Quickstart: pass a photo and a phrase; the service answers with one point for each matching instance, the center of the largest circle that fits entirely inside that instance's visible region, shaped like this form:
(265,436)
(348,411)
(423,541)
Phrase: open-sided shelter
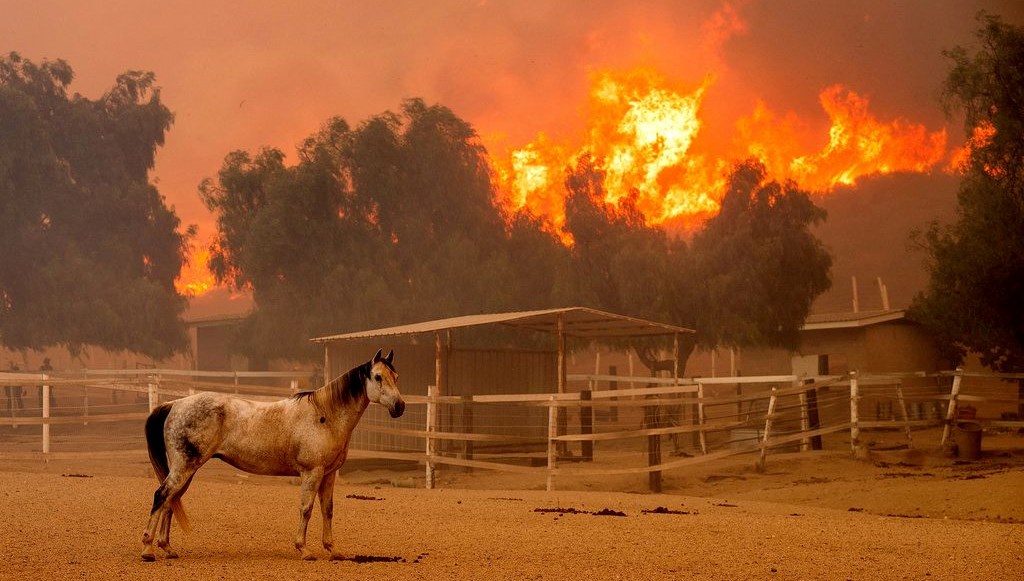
(430,354)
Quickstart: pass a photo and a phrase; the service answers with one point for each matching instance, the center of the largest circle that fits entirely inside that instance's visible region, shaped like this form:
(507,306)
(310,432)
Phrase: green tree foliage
(976,265)
(756,266)
(391,222)
(90,250)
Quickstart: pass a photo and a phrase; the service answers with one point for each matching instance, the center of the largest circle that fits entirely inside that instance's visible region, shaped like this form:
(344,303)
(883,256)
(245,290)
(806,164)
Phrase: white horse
(306,435)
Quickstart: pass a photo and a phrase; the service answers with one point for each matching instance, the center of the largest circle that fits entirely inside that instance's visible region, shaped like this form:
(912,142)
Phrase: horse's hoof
(337,557)
(171,554)
(148,556)
(309,557)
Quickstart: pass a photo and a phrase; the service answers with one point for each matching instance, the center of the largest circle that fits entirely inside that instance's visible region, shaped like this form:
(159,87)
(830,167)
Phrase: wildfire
(643,133)
(980,137)
(195,278)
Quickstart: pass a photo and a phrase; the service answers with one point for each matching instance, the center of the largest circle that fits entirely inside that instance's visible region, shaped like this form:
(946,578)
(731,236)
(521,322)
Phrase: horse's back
(257,437)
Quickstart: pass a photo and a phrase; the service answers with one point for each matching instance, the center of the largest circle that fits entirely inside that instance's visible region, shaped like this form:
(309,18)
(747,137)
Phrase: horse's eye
(377,378)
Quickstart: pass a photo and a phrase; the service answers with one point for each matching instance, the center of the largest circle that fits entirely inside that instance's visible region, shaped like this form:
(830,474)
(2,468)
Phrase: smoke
(240,75)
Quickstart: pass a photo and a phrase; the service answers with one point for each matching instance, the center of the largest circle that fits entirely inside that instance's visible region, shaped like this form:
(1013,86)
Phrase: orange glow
(858,144)
(195,278)
(980,137)
(643,133)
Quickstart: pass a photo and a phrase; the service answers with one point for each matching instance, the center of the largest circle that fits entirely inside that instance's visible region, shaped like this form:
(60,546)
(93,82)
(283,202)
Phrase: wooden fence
(614,432)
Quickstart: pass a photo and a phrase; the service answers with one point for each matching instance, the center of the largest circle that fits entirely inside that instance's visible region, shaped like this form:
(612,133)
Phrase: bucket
(968,440)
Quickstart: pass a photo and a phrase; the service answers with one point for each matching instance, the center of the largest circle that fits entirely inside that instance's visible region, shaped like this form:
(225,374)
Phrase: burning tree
(399,220)
(973,300)
(381,224)
(90,250)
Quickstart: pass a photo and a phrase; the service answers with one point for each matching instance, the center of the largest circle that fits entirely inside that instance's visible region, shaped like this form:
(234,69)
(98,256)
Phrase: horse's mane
(340,391)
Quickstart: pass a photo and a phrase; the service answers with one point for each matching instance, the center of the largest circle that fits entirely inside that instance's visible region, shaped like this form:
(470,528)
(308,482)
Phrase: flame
(858,144)
(981,136)
(195,278)
(644,134)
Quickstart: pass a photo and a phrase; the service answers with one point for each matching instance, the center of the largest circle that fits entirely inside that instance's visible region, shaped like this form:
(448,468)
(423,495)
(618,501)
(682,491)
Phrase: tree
(976,265)
(389,222)
(756,266)
(621,263)
(91,250)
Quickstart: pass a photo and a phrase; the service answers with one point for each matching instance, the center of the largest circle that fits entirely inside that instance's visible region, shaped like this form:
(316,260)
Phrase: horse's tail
(158,457)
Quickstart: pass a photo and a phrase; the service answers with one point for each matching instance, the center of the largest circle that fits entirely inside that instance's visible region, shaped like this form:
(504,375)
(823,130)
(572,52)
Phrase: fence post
(854,414)
(903,412)
(805,417)
(762,461)
(46,417)
(586,426)
(153,395)
(700,418)
(293,386)
(467,424)
(653,448)
(613,411)
(954,393)
(552,443)
(431,427)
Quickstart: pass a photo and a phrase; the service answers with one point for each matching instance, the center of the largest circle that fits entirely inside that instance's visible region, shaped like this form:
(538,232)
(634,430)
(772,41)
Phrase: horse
(306,435)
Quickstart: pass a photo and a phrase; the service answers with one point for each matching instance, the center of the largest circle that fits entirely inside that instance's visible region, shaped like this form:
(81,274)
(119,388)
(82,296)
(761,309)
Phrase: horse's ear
(376,357)
(390,357)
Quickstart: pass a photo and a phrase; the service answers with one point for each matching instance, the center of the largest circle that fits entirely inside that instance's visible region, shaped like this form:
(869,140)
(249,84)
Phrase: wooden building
(495,353)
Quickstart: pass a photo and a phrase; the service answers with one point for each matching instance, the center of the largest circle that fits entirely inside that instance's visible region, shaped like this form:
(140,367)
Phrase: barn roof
(849,320)
(577,322)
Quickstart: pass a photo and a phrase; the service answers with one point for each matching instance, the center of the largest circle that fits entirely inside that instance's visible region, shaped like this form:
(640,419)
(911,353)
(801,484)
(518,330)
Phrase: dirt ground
(899,514)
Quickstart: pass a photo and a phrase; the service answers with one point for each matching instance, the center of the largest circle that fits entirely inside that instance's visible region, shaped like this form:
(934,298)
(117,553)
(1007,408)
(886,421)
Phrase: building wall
(468,372)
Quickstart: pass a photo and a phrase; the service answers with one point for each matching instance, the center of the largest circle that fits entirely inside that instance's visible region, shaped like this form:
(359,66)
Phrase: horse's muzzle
(398,409)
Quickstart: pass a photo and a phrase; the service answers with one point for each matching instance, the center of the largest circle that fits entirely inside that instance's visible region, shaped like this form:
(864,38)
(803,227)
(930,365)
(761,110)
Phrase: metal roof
(577,322)
(849,320)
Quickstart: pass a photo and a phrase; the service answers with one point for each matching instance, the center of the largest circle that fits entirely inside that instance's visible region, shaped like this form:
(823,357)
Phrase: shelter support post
(563,417)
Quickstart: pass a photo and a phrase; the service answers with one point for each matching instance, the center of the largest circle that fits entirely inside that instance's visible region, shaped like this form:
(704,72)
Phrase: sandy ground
(903,514)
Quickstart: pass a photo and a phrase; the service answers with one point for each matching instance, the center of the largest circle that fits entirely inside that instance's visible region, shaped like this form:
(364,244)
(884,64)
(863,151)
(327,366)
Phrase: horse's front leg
(326,494)
(311,480)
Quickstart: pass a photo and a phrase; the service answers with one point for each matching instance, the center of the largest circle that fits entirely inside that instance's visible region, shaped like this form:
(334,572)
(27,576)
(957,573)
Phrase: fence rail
(618,431)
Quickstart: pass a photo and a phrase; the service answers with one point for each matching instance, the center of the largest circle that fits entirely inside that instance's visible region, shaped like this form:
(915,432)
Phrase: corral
(904,509)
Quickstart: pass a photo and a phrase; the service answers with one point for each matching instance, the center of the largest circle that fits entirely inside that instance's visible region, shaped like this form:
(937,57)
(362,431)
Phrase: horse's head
(382,385)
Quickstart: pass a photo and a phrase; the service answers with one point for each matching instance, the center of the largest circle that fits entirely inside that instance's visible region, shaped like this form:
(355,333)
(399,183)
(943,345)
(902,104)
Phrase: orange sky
(240,75)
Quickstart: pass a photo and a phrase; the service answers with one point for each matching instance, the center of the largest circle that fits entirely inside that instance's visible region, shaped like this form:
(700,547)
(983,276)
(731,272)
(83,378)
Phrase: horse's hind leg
(163,538)
(160,515)
(326,494)
(310,486)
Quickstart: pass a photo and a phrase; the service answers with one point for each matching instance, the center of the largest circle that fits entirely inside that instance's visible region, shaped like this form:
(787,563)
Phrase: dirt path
(808,517)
